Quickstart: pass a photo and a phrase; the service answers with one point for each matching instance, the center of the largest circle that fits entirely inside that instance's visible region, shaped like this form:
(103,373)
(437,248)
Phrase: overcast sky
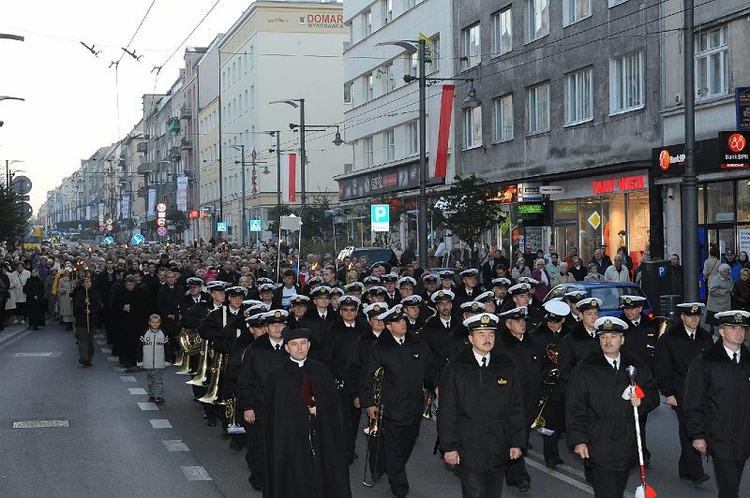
(71,96)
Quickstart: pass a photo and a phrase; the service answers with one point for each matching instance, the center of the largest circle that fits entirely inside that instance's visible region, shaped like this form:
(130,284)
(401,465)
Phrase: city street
(69,431)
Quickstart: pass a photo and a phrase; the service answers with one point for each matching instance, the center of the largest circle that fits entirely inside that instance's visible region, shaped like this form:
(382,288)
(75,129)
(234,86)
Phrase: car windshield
(610,295)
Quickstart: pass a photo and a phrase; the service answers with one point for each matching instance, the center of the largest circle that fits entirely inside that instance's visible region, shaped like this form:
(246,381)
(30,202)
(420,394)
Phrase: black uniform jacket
(598,416)
(717,402)
(358,355)
(457,341)
(341,339)
(674,352)
(641,340)
(191,313)
(259,361)
(306,454)
(221,333)
(435,335)
(548,343)
(575,346)
(167,303)
(481,410)
(408,368)
(526,353)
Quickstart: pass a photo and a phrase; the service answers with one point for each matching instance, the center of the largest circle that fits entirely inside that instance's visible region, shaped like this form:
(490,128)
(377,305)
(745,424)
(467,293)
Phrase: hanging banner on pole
(182,185)
(151,201)
(289,178)
(439,117)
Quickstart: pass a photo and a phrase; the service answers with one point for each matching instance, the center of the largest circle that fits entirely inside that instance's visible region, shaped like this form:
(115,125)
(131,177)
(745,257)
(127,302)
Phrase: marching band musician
(377,294)
(487,298)
(523,349)
(469,287)
(406,287)
(341,337)
(408,368)
(717,401)
(572,299)
(548,335)
(446,280)
(263,356)
(599,417)
(357,357)
(298,305)
(481,427)
(413,309)
(392,295)
(458,338)
(582,338)
(500,290)
(192,308)
(642,335)
(222,327)
(675,349)
(437,329)
(430,285)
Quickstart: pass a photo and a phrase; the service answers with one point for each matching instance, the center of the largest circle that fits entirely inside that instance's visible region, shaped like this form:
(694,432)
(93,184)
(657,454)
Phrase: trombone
(549,383)
(373,429)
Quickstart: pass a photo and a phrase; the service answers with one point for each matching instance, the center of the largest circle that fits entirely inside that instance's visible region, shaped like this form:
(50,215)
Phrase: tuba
(213,396)
(201,376)
(549,383)
(373,428)
(231,412)
(190,343)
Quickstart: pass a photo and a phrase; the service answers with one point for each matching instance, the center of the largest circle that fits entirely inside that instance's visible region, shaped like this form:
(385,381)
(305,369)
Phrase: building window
(369,90)
(390,144)
(579,97)
(502,118)
(412,64)
(537,19)
(387,8)
(537,108)
(369,152)
(502,32)
(612,3)
(575,10)
(433,53)
(711,68)
(385,74)
(472,127)
(626,84)
(348,93)
(367,22)
(413,128)
(472,53)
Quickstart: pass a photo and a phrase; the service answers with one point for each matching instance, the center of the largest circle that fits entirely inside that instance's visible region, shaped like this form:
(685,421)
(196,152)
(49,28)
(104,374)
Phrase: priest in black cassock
(305,447)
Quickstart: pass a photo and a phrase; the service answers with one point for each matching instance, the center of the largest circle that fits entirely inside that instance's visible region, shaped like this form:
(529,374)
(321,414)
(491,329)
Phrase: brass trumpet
(550,381)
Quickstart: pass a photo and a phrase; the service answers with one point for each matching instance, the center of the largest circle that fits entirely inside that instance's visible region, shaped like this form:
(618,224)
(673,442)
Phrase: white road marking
(106,350)
(160,423)
(148,406)
(196,473)
(112,358)
(101,342)
(128,378)
(45,354)
(136,390)
(175,445)
(39,424)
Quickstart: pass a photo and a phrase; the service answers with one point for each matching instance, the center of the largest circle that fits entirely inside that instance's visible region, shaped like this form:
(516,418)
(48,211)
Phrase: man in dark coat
(318,318)
(392,294)
(582,338)
(305,447)
(437,329)
(103,284)
(482,425)
(167,304)
(522,296)
(642,336)
(341,337)
(717,401)
(675,350)
(130,310)
(86,308)
(523,349)
(413,309)
(548,335)
(408,368)
(263,356)
(599,415)
(469,288)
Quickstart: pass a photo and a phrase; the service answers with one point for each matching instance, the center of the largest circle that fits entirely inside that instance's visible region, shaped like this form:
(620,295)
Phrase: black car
(375,254)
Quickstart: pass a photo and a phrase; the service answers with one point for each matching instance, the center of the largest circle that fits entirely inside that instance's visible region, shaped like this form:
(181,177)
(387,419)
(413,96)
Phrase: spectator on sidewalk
(617,272)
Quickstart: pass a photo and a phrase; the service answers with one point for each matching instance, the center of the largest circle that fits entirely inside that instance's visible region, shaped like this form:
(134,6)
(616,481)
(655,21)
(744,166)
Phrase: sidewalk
(11,332)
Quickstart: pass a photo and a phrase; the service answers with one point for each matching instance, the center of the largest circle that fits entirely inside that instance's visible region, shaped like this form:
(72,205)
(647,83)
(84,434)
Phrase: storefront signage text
(734,151)
(622,184)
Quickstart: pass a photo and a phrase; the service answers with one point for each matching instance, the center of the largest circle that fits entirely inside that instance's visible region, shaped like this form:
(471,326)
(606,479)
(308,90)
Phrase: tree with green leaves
(13,225)
(468,209)
(178,220)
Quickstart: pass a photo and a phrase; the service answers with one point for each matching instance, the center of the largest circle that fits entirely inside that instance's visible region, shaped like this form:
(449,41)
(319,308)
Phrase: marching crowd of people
(287,362)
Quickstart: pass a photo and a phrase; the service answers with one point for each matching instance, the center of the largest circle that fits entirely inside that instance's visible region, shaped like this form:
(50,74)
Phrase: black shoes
(697,480)
(159,401)
(552,464)
(524,486)
(235,445)
(151,399)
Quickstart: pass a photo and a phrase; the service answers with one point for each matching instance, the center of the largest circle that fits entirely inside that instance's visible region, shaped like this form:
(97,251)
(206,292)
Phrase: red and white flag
(289,177)
(439,117)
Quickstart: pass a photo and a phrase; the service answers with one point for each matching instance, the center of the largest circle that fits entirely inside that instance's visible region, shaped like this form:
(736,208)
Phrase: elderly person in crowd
(520,270)
(719,294)
(617,272)
(563,275)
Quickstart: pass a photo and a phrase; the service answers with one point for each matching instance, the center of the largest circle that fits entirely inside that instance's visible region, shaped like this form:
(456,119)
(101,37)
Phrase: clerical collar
(300,363)
(479,357)
(350,324)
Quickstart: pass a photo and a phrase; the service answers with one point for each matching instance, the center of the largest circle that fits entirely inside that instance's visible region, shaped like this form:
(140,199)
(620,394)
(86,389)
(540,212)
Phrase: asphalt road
(69,431)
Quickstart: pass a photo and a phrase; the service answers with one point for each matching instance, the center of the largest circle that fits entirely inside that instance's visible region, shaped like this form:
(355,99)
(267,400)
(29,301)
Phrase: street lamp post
(299,103)
(243,220)
(277,135)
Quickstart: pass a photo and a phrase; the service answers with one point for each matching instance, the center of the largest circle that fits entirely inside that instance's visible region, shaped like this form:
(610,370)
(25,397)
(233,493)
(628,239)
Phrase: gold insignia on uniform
(415,356)
(628,300)
(484,320)
(594,303)
(277,314)
(522,312)
(525,286)
(607,325)
(441,294)
(502,382)
(694,308)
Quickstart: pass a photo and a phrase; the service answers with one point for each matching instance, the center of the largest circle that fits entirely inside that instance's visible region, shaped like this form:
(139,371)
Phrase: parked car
(608,292)
(373,255)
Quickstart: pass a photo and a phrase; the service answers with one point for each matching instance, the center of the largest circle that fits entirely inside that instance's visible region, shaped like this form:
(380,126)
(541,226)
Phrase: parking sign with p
(380,217)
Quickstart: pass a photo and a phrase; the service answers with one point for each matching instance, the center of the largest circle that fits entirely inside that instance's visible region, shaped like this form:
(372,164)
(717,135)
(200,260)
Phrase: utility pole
(689,180)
